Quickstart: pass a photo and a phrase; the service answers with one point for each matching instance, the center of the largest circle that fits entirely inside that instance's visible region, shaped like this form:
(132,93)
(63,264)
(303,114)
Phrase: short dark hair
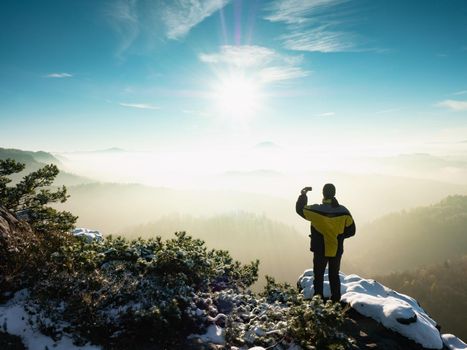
(329,191)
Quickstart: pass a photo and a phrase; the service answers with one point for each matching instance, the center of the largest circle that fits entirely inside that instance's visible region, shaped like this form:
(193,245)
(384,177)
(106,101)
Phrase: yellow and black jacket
(330,225)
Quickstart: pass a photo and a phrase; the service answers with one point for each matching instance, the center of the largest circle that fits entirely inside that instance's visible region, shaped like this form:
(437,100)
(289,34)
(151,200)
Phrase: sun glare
(238,97)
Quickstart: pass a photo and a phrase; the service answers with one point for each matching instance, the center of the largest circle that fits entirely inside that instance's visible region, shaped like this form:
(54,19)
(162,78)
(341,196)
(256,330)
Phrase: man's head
(329,191)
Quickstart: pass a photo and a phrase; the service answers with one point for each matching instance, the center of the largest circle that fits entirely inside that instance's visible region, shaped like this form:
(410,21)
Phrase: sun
(237,96)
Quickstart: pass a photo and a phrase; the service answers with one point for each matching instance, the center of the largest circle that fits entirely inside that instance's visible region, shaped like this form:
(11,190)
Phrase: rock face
(16,238)
(8,223)
(10,342)
(370,334)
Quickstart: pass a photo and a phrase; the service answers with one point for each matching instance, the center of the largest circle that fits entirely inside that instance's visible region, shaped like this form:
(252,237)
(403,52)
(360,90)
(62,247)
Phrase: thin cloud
(123,18)
(389,110)
(267,64)
(58,75)
(326,114)
(270,74)
(139,105)
(299,11)
(315,26)
(462,92)
(319,40)
(181,16)
(196,112)
(143,22)
(240,56)
(454,105)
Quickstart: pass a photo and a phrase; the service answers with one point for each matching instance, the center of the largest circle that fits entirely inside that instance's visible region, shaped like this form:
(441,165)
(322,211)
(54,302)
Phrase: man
(331,223)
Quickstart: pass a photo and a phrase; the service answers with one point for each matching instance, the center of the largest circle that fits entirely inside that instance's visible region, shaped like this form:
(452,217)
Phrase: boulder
(392,318)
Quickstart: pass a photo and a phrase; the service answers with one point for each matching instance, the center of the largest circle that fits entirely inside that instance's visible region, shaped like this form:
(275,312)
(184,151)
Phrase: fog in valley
(262,179)
(244,200)
(409,208)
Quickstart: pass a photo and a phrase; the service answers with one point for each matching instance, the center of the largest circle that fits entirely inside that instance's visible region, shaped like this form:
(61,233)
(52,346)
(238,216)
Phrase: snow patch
(214,334)
(87,234)
(395,311)
(15,320)
(453,343)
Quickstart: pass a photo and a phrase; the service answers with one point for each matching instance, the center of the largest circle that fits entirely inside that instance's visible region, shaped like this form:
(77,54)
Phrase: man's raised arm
(301,202)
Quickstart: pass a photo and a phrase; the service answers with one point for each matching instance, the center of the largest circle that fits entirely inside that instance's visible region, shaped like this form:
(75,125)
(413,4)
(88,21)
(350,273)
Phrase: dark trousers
(319,265)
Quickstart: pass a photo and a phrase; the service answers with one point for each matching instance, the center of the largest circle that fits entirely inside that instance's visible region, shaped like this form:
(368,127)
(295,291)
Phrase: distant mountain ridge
(36,160)
(98,151)
(28,157)
(368,195)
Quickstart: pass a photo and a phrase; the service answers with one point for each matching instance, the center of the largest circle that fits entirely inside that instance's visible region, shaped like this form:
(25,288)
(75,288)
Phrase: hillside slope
(410,239)
(441,289)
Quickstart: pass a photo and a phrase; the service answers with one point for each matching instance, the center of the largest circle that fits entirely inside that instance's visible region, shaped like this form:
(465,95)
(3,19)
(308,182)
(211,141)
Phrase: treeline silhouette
(440,289)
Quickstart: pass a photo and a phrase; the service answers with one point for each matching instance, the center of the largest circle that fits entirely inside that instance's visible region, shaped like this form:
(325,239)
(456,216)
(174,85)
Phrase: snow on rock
(87,234)
(16,321)
(393,310)
(214,334)
(453,343)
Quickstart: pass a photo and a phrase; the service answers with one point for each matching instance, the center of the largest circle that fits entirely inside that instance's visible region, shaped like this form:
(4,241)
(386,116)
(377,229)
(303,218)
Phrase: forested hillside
(29,158)
(411,239)
(440,289)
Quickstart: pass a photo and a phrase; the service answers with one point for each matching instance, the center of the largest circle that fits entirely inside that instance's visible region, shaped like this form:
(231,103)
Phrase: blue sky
(217,73)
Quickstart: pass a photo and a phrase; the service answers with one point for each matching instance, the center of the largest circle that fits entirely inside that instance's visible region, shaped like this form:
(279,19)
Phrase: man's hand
(305,190)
